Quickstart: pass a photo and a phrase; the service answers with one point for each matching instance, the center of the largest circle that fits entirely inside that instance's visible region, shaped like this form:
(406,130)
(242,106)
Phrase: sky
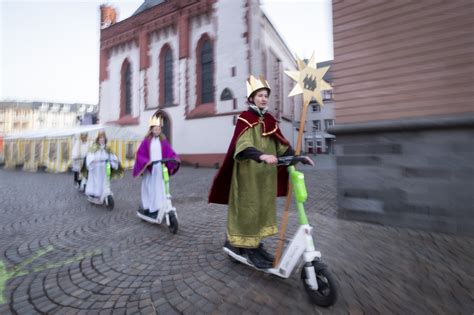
(49,50)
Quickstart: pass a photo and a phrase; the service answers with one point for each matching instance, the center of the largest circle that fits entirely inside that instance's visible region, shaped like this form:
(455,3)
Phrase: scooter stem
(296,184)
(166,178)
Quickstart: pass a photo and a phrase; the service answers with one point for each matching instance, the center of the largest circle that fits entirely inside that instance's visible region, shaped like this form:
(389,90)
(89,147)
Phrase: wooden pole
(284,221)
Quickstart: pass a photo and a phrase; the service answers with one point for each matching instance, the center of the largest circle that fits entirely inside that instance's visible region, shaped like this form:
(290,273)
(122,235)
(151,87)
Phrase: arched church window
(166,76)
(126,89)
(207,73)
(226,95)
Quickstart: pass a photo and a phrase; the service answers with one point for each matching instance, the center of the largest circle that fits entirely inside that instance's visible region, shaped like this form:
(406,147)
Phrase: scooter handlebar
(100,161)
(290,160)
(166,160)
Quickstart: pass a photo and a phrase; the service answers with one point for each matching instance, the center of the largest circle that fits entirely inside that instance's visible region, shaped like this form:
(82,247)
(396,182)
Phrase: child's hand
(268,158)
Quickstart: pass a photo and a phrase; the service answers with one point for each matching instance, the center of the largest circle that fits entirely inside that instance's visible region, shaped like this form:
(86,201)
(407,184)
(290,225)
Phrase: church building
(191,58)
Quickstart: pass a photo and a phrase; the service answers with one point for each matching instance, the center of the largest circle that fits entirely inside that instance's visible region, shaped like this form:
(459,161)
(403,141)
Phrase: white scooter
(168,212)
(318,282)
(107,198)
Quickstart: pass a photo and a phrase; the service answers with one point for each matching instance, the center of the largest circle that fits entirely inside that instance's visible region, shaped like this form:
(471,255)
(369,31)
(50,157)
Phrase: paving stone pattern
(93,261)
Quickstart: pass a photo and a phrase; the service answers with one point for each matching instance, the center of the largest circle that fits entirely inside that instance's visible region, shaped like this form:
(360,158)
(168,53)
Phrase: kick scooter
(107,198)
(168,212)
(317,280)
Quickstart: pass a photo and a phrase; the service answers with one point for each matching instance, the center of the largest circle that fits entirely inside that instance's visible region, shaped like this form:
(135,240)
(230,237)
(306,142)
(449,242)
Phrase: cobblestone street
(62,255)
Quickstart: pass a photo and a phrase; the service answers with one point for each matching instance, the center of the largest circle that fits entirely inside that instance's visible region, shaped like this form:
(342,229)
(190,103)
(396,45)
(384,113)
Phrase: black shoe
(261,250)
(256,259)
(152,215)
(234,249)
(143,211)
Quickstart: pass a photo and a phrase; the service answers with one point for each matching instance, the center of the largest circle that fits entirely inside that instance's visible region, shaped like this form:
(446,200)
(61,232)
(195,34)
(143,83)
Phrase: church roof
(146,5)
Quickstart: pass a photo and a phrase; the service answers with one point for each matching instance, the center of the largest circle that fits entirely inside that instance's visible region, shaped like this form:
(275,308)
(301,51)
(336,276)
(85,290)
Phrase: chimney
(108,16)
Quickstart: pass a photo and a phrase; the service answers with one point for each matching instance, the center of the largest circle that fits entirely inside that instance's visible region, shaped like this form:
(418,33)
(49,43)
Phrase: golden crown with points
(254,84)
(156,119)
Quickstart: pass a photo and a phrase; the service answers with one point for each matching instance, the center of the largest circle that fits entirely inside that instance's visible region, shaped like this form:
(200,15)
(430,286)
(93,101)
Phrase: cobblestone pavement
(63,255)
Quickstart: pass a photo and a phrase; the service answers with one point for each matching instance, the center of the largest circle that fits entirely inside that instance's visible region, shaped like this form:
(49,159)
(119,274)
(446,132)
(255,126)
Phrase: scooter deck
(95,200)
(243,260)
(147,218)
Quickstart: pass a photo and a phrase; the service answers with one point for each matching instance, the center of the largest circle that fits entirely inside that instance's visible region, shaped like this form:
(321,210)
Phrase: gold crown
(254,84)
(156,120)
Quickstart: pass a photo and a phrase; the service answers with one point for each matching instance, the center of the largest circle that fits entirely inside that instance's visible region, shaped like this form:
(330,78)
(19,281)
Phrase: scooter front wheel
(110,202)
(173,227)
(326,294)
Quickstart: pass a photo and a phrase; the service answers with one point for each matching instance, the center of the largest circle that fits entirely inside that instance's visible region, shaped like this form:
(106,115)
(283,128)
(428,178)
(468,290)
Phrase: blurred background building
(191,59)
(23,116)
(404,105)
(17,117)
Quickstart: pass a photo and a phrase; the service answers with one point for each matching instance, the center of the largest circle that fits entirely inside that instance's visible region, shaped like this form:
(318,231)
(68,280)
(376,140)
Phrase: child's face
(261,98)
(101,140)
(156,130)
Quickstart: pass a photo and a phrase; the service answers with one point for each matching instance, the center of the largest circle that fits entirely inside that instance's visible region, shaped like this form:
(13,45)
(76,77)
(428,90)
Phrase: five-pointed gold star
(309,81)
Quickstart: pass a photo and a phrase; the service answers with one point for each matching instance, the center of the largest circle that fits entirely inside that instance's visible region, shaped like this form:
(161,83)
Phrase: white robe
(96,180)
(153,185)
(79,152)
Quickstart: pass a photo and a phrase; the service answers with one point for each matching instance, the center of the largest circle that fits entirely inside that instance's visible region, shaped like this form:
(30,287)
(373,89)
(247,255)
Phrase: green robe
(252,198)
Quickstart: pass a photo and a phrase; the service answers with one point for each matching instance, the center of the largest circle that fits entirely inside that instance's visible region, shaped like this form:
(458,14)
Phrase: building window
(316,108)
(233,71)
(327,95)
(226,95)
(207,73)
(126,89)
(316,125)
(166,76)
(328,123)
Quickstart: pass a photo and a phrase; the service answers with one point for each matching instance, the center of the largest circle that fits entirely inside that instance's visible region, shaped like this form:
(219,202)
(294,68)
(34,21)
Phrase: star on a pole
(309,81)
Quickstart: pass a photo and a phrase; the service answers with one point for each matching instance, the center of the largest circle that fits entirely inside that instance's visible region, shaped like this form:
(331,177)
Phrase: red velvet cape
(220,189)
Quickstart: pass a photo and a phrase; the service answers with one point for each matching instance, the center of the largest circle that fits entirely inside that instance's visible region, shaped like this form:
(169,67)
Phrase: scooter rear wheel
(173,227)
(110,202)
(326,294)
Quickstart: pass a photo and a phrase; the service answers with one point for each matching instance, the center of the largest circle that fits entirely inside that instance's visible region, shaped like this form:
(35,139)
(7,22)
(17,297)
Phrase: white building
(23,116)
(317,139)
(191,59)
